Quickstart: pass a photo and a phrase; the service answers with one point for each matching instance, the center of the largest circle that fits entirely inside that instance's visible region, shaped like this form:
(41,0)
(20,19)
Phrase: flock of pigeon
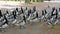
(28,16)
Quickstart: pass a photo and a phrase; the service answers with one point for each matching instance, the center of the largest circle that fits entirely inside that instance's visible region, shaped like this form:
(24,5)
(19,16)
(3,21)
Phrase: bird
(17,9)
(54,20)
(41,17)
(21,23)
(0,13)
(3,23)
(31,14)
(7,12)
(59,9)
(22,10)
(35,20)
(14,14)
(51,14)
(34,8)
(10,18)
(26,8)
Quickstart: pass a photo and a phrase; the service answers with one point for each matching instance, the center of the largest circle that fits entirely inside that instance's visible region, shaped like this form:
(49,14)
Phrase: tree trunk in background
(40,0)
(27,1)
(33,0)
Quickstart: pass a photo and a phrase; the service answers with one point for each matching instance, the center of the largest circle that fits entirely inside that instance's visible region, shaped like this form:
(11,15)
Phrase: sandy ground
(39,28)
